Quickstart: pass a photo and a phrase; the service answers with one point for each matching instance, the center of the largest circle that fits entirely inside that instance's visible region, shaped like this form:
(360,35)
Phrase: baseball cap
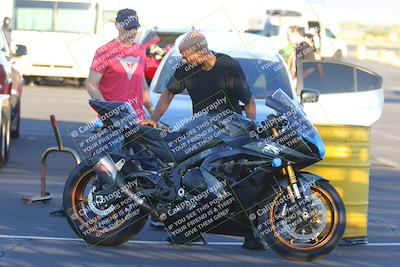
(128,18)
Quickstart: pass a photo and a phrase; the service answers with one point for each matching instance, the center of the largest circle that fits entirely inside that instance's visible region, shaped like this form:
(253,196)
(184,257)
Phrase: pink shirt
(123,69)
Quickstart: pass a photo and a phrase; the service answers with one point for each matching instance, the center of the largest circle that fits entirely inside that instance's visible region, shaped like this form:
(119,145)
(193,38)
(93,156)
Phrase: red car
(157,43)
(11,84)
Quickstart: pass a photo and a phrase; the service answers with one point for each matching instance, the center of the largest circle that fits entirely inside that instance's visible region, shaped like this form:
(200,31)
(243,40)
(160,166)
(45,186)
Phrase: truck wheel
(4,142)
(82,83)
(15,123)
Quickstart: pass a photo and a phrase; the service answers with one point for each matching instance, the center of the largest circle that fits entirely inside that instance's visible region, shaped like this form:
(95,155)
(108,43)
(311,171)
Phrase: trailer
(61,37)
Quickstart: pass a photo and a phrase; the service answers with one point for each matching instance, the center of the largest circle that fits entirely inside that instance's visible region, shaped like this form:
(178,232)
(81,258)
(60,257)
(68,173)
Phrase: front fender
(310,177)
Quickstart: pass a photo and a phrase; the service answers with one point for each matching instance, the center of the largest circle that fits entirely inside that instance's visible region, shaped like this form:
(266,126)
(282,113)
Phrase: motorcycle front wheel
(106,219)
(308,229)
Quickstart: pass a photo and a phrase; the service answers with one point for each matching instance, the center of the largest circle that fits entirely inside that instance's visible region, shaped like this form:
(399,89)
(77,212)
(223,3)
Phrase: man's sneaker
(155,222)
(252,243)
(156,225)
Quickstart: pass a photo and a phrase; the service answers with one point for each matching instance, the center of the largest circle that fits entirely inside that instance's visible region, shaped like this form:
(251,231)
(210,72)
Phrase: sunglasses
(131,29)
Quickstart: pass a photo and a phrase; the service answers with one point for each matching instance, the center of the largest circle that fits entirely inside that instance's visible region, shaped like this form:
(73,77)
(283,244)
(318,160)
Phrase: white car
(349,94)
(346,91)
(265,70)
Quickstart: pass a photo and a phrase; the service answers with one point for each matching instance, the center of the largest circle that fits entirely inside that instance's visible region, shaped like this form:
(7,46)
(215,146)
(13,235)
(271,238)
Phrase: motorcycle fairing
(297,121)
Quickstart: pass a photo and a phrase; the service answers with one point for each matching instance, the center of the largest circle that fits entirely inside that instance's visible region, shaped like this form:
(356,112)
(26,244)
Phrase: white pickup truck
(276,22)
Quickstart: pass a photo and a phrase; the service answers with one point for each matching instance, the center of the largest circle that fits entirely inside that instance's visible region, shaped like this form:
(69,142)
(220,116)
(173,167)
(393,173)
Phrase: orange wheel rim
(77,193)
(320,243)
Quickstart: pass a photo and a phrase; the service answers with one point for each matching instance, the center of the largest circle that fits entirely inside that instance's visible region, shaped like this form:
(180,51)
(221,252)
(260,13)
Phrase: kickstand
(203,239)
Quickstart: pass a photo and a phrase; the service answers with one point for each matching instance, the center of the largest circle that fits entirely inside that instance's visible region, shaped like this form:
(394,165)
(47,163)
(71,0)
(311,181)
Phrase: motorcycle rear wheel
(77,210)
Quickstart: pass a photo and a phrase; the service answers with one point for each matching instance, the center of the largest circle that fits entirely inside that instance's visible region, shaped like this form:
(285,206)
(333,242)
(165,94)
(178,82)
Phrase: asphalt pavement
(30,237)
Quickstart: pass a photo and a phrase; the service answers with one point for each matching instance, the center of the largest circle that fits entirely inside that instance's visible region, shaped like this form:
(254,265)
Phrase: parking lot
(29,236)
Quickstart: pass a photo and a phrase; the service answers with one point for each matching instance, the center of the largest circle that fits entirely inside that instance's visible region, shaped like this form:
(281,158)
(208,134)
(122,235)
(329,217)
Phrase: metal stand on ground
(46,196)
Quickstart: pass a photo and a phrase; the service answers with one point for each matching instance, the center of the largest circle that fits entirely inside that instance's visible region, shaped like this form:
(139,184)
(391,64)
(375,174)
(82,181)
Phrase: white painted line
(29,133)
(143,242)
(40,238)
(386,162)
(383,244)
(386,134)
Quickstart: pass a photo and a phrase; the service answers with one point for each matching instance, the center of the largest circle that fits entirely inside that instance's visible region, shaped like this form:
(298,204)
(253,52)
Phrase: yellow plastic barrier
(346,164)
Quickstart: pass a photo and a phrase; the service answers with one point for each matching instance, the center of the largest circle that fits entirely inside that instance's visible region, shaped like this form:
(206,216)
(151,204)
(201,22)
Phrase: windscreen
(295,121)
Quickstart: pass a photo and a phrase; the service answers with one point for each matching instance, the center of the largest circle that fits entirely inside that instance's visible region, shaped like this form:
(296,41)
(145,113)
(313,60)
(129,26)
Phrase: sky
(360,11)
(173,12)
(364,11)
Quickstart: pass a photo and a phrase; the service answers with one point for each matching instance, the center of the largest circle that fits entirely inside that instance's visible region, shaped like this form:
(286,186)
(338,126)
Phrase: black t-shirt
(304,51)
(225,84)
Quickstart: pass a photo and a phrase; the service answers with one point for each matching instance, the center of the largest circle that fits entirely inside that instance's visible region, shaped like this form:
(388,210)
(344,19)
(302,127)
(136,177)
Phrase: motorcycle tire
(76,219)
(291,251)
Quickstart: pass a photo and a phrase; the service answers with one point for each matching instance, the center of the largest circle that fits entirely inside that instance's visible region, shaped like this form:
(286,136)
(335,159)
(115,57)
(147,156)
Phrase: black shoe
(180,240)
(156,225)
(252,243)
(155,222)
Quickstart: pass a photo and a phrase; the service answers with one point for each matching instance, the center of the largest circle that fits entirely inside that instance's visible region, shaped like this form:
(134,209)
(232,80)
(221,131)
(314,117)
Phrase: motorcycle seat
(151,133)
(171,145)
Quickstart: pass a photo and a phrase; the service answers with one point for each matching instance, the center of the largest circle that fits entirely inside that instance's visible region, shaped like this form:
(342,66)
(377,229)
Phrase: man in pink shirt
(117,70)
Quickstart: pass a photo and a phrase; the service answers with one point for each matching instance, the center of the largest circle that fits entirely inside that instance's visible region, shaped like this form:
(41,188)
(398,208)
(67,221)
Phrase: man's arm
(250,109)
(162,105)
(242,89)
(173,87)
(292,64)
(93,85)
(146,96)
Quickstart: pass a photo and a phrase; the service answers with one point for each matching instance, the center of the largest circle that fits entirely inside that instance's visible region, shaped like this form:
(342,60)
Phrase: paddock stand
(46,196)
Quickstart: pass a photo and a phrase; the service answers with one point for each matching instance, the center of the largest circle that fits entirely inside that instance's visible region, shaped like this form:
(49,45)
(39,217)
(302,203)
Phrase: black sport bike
(217,172)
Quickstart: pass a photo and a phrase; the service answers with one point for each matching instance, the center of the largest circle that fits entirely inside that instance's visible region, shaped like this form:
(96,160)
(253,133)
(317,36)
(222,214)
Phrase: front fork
(292,188)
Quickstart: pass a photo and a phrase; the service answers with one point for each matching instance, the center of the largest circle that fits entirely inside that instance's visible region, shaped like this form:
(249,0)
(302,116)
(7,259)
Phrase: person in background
(156,52)
(7,29)
(316,34)
(311,40)
(287,51)
(304,49)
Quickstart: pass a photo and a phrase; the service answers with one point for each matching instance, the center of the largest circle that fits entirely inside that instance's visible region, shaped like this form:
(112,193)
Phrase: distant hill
(371,35)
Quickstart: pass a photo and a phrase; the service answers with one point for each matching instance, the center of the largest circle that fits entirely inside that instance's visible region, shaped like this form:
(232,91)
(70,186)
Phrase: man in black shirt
(225,78)
(208,78)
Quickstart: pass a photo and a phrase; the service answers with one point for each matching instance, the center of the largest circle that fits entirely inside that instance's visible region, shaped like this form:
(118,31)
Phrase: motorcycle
(217,172)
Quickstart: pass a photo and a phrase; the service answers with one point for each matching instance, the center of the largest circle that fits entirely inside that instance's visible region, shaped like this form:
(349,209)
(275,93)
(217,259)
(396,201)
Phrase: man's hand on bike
(163,126)
(154,124)
(150,123)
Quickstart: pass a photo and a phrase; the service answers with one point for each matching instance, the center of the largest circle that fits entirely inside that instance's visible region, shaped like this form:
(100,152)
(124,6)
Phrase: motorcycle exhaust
(106,169)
